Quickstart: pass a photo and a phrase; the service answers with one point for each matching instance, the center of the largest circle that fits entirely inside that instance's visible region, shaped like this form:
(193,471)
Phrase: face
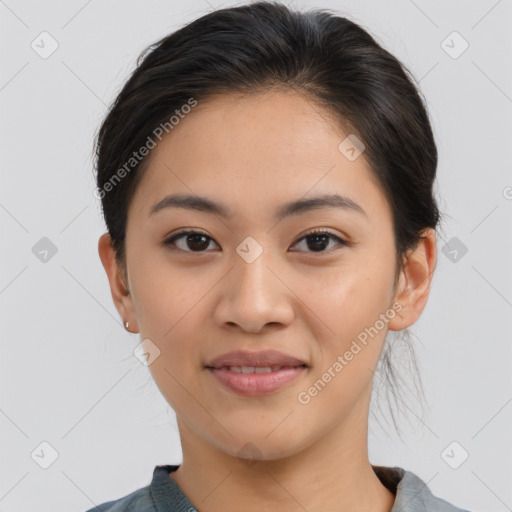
(253,279)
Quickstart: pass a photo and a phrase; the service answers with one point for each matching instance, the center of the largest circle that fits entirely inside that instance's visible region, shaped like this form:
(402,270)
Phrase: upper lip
(254,359)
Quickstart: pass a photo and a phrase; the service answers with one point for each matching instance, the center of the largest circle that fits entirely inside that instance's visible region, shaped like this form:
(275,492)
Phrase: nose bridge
(253,295)
(251,272)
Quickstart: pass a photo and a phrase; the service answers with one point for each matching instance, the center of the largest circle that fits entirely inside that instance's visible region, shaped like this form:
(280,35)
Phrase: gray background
(68,375)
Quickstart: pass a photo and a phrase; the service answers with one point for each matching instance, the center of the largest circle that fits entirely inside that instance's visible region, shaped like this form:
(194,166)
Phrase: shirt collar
(411,493)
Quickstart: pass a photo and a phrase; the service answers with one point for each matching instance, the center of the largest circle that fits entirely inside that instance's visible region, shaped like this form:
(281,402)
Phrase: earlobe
(119,290)
(415,279)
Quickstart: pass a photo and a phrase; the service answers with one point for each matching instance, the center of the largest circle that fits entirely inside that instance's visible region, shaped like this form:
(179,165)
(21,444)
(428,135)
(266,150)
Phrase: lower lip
(254,384)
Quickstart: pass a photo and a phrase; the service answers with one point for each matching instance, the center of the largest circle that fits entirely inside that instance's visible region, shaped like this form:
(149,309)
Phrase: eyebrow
(301,206)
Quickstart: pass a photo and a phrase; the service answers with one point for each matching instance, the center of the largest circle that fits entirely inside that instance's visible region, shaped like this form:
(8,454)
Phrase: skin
(254,153)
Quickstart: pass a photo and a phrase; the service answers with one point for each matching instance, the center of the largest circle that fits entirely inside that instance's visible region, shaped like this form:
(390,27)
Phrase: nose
(254,296)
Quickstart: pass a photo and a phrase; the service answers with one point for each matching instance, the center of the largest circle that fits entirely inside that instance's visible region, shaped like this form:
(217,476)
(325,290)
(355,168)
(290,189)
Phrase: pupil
(316,239)
(191,239)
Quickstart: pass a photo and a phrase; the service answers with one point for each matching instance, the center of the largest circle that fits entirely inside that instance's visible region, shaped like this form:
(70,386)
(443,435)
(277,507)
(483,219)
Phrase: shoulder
(161,494)
(414,495)
(137,501)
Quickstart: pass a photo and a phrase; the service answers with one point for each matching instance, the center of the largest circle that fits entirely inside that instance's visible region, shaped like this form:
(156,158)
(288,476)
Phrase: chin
(254,447)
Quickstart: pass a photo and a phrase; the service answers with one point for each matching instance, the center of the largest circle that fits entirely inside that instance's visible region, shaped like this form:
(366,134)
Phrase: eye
(319,239)
(194,240)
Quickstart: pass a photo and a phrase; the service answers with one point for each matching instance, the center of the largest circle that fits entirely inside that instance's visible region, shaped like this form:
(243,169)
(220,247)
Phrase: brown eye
(319,240)
(194,241)
(189,241)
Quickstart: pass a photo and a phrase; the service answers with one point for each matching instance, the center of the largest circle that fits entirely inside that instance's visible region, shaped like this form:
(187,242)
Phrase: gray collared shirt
(164,494)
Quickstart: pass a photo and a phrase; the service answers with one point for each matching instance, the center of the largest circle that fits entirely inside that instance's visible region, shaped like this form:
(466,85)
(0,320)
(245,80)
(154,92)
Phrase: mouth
(253,369)
(254,373)
(247,360)
(256,380)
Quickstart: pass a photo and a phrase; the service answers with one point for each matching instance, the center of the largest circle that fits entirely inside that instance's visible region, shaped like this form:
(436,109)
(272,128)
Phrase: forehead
(262,148)
(278,127)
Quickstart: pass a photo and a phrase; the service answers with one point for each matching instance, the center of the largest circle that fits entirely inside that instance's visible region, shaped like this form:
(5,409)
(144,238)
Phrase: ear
(116,277)
(414,282)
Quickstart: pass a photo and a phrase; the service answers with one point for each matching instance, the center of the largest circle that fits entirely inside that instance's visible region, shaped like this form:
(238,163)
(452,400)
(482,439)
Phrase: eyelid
(321,231)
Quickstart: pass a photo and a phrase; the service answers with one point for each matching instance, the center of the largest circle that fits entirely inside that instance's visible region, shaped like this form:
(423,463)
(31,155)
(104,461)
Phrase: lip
(255,384)
(255,359)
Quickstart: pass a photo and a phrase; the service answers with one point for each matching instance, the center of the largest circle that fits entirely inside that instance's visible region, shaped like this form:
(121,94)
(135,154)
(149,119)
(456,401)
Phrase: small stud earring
(126,325)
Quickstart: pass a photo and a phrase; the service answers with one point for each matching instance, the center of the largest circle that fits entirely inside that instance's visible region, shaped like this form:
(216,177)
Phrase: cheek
(170,311)
(350,302)
(349,296)
(166,296)
(347,353)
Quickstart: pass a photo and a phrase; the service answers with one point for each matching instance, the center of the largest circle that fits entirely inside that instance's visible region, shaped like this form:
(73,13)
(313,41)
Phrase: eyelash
(170,242)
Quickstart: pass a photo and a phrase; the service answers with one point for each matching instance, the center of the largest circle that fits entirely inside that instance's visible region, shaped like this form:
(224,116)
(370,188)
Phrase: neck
(333,473)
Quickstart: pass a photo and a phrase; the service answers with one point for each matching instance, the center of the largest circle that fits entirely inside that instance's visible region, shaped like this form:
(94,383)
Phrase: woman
(266,178)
